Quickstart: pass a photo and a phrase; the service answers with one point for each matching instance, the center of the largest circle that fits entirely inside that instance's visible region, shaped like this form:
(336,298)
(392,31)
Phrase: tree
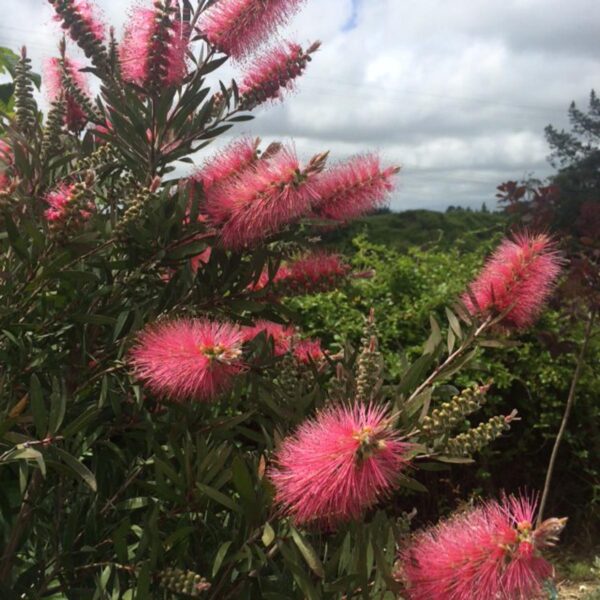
(569,207)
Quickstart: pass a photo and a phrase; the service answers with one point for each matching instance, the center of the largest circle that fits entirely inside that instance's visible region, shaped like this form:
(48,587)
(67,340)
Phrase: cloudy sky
(456,92)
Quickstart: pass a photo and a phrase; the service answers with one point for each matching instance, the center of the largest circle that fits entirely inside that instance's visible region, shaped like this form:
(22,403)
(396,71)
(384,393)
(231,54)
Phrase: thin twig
(452,357)
(567,413)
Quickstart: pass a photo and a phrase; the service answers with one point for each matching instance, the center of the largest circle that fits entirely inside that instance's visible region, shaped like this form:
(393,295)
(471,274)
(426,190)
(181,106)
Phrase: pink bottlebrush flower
(310,274)
(272,73)
(338,464)
(6,153)
(75,116)
(58,201)
(85,18)
(188,359)
(490,551)
(353,188)
(280,334)
(307,351)
(238,27)
(261,201)
(227,163)
(5,182)
(153,50)
(6,160)
(518,278)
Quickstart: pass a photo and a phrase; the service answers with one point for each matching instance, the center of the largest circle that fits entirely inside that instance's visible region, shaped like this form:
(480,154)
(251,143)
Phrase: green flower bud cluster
(133,213)
(450,414)
(79,203)
(369,364)
(25,105)
(288,376)
(53,128)
(73,90)
(477,438)
(100,158)
(183,582)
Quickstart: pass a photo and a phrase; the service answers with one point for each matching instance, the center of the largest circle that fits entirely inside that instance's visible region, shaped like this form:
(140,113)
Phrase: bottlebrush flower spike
(280,334)
(261,200)
(64,201)
(79,18)
(490,551)
(517,279)
(353,188)
(54,69)
(238,27)
(188,359)
(153,50)
(314,273)
(274,72)
(338,464)
(227,163)
(307,351)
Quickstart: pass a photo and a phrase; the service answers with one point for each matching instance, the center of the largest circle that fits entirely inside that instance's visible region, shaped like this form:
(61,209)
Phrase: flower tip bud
(314,47)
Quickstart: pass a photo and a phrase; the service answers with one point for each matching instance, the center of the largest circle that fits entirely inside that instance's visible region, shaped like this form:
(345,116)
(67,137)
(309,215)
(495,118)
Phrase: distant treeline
(457,227)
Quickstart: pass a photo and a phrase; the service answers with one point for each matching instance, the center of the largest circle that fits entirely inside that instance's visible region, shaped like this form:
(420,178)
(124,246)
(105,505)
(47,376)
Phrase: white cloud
(457,92)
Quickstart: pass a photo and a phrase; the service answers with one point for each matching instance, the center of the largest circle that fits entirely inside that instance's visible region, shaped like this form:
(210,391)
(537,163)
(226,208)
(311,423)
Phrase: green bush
(533,375)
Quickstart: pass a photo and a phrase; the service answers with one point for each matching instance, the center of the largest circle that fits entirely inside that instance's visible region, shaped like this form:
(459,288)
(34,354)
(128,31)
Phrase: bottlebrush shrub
(164,426)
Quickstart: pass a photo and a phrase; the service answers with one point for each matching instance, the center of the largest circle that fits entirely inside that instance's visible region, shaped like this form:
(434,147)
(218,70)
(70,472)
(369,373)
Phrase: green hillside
(399,231)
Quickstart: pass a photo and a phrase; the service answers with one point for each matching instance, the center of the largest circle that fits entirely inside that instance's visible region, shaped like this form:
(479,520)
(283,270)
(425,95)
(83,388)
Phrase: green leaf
(220,557)
(242,481)
(456,365)
(121,320)
(58,407)
(268,535)
(80,422)
(27,454)
(78,468)
(308,553)
(219,497)
(412,484)
(38,408)
(454,323)
(434,339)
(455,460)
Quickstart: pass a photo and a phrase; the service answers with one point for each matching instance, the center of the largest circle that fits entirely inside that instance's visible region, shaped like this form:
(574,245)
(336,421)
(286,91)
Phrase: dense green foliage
(532,376)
